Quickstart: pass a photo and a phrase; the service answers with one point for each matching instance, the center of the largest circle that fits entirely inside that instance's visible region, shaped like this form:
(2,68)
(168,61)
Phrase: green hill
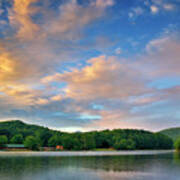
(17,132)
(16,127)
(173,133)
(11,128)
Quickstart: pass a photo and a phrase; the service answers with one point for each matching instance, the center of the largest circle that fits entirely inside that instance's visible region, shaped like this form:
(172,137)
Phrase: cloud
(118,51)
(104,3)
(37,48)
(158,2)
(40,42)
(19,64)
(42,101)
(158,5)
(1,11)
(20,17)
(102,78)
(110,120)
(154,9)
(31,49)
(73,16)
(143,112)
(169,7)
(10,68)
(121,86)
(137,11)
(69,18)
(22,95)
(162,58)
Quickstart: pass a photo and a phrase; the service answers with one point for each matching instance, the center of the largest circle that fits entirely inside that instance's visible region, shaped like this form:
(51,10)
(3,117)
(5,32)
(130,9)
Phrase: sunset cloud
(163,56)
(70,18)
(85,64)
(102,78)
(20,17)
(10,68)
(123,83)
(73,16)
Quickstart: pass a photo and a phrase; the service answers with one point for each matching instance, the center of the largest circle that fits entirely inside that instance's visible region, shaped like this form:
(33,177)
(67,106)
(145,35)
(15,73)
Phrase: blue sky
(83,65)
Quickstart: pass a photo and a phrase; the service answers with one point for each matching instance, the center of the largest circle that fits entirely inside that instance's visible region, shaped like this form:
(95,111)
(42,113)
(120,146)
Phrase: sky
(81,65)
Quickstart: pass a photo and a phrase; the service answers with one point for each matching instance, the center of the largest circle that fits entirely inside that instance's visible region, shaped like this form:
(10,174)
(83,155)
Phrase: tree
(88,142)
(67,142)
(124,144)
(118,138)
(3,140)
(131,145)
(177,144)
(54,141)
(43,135)
(17,139)
(163,141)
(120,144)
(31,143)
(102,139)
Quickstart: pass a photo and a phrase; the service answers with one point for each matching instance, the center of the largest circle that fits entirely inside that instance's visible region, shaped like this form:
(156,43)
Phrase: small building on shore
(59,148)
(47,149)
(12,147)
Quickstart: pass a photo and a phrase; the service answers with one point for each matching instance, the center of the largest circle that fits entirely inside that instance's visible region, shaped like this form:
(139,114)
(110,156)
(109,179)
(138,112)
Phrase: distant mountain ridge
(20,126)
(18,132)
(173,133)
(11,128)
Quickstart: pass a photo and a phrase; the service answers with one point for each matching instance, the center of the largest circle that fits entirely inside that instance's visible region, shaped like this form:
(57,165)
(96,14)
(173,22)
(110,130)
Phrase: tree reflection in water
(96,167)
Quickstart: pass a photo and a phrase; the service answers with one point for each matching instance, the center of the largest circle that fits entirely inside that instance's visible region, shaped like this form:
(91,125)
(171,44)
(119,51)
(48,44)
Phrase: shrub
(3,140)
(17,139)
(31,143)
(177,144)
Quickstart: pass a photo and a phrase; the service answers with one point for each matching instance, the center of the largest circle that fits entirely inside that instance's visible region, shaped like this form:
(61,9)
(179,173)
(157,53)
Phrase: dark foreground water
(96,166)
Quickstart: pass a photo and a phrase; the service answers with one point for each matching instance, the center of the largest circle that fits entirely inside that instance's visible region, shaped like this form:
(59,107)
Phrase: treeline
(173,133)
(177,144)
(34,137)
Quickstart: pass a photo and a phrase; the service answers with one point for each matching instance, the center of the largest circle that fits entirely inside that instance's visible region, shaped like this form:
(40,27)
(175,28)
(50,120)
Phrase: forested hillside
(33,136)
(173,133)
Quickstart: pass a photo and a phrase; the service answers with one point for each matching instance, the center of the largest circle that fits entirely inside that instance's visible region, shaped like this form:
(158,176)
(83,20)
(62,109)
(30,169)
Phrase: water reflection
(177,158)
(146,167)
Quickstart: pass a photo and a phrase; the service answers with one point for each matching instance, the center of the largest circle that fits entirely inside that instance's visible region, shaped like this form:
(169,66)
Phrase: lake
(125,165)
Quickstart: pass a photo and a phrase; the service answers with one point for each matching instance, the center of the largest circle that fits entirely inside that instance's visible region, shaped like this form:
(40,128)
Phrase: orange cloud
(114,119)
(102,78)
(73,17)
(14,75)
(15,67)
(56,98)
(104,3)
(8,68)
(21,94)
(20,16)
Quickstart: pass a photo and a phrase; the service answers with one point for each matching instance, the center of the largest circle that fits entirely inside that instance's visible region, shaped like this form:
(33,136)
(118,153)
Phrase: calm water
(96,166)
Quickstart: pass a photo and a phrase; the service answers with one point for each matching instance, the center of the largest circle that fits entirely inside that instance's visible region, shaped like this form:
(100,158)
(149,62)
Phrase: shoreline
(84,153)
